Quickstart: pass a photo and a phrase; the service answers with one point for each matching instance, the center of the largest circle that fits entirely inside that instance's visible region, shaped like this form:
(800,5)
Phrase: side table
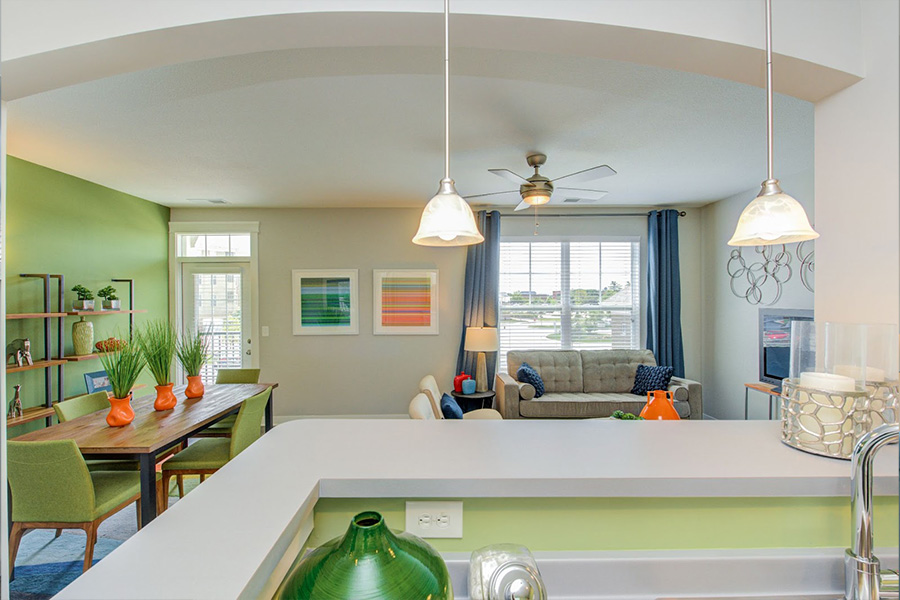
(773,394)
(469,402)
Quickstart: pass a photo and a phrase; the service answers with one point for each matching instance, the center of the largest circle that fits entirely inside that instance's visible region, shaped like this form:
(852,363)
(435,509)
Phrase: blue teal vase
(369,562)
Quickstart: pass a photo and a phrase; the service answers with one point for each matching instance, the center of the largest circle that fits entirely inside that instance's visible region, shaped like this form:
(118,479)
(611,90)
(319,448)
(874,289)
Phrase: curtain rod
(681,213)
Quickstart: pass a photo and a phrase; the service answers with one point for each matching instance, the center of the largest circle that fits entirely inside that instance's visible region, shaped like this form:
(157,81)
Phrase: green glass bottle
(369,562)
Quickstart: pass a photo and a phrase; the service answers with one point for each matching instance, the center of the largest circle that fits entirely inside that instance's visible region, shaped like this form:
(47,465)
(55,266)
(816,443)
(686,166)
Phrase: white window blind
(580,295)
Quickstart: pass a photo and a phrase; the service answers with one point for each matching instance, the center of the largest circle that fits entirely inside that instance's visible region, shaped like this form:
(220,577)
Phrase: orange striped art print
(406,302)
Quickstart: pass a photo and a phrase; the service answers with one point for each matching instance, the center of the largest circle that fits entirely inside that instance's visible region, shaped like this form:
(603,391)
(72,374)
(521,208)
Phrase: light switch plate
(435,519)
(265,331)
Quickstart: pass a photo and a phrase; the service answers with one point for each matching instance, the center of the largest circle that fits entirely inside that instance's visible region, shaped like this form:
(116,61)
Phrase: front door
(216,302)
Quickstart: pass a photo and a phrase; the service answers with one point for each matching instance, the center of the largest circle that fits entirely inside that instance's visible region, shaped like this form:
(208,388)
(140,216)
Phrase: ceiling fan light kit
(447,219)
(773,217)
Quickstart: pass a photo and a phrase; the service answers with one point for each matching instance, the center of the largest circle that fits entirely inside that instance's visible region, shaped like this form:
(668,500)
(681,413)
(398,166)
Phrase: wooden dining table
(153,431)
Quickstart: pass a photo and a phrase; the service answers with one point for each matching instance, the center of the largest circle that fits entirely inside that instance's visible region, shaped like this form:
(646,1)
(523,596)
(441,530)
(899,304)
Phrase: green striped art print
(325,302)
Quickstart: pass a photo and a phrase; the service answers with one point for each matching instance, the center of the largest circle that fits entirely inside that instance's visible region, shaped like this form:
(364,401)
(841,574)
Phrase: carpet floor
(45,565)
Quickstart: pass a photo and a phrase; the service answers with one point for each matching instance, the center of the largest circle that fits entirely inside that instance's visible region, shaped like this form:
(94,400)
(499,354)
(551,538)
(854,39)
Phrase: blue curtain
(664,290)
(482,293)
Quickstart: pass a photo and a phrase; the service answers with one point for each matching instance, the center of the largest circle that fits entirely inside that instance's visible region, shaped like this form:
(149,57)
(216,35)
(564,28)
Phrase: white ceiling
(363,126)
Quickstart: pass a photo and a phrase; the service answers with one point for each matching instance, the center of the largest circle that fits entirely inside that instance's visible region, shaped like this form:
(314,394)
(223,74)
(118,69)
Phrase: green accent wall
(582,524)
(57,223)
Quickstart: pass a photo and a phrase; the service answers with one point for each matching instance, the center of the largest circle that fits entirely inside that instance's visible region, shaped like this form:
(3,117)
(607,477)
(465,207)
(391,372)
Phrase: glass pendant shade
(447,220)
(773,217)
(536,198)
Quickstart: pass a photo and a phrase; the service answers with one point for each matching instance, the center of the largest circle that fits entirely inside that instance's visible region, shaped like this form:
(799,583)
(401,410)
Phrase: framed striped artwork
(405,302)
(325,302)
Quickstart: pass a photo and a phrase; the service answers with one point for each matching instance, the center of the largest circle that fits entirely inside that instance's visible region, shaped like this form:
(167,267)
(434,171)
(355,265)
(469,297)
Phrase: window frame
(637,309)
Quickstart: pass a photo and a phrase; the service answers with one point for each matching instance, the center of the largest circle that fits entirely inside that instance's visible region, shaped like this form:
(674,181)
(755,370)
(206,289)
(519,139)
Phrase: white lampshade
(482,339)
(772,217)
(447,220)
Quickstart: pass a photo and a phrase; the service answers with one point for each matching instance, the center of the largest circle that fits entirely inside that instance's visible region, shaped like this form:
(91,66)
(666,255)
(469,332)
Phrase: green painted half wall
(581,524)
(56,223)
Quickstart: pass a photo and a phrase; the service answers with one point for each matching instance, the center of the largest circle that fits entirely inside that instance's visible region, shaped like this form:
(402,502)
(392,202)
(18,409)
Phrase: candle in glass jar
(829,382)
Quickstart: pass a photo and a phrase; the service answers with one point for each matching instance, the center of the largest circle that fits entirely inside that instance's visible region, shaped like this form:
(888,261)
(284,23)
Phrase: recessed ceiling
(363,127)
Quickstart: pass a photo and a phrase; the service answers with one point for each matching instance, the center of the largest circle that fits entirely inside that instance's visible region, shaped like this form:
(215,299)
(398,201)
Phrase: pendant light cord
(768,85)
(447,92)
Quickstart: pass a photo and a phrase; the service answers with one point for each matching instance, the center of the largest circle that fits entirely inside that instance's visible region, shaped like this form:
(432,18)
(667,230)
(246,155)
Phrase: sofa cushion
(527,374)
(526,391)
(612,370)
(575,405)
(559,369)
(649,379)
(450,407)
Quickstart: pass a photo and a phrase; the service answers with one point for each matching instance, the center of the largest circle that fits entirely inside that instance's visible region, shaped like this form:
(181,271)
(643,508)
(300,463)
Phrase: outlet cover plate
(435,519)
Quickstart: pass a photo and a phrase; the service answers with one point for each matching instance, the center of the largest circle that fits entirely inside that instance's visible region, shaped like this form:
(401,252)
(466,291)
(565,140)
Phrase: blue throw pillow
(450,407)
(649,379)
(527,374)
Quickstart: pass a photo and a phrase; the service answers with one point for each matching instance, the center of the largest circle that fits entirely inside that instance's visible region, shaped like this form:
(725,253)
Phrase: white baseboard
(285,418)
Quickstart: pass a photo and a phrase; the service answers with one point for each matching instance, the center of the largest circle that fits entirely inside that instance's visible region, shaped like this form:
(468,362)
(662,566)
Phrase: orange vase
(194,387)
(165,397)
(120,412)
(660,407)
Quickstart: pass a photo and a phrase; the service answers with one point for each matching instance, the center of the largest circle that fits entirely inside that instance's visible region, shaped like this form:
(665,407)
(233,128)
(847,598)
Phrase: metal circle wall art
(760,282)
(806,254)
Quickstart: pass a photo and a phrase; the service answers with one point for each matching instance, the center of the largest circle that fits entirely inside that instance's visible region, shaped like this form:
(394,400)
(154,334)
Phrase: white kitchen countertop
(227,537)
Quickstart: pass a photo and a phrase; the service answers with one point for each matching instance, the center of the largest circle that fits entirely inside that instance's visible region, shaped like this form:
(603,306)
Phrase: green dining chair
(223,428)
(205,457)
(91,403)
(52,488)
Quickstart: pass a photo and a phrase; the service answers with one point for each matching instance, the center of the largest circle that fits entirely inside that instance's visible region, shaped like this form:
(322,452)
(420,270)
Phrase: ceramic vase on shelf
(194,387)
(660,407)
(120,412)
(165,397)
(83,337)
(368,562)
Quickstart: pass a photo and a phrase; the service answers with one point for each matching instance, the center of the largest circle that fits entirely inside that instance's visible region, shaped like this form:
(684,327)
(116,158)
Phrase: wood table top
(151,430)
(764,388)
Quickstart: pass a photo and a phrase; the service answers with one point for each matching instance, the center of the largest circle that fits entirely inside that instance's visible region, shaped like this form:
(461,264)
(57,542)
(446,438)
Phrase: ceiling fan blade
(522,206)
(580,193)
(507,174)
(587,175)
(516,192)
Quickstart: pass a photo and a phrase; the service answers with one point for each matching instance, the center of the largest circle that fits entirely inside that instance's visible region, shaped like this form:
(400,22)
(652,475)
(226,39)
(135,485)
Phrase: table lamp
(481,340)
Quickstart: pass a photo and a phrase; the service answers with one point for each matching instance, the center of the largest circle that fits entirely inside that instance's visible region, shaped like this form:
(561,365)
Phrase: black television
(775,342)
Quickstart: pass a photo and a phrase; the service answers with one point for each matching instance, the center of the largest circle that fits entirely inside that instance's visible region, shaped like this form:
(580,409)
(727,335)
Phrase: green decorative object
(369,562)
(83,337)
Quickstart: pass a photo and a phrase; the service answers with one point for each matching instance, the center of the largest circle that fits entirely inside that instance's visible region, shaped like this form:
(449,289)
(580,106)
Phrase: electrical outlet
(438,519)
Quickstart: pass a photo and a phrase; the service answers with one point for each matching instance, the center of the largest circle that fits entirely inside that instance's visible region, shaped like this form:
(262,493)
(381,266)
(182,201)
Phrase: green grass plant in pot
(123,367)
(157,341)
(369,562)
(192,350)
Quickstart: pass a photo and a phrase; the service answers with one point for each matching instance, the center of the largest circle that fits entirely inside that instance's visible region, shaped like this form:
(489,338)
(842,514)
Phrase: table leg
(746,402)
(148,488)
(770,406)
(270,418)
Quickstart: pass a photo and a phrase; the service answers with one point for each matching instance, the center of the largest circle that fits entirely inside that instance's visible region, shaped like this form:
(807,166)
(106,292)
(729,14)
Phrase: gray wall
(360,374)
(730,324)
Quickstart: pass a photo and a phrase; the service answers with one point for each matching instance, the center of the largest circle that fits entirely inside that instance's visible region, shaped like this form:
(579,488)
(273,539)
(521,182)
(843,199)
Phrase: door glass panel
(218,314)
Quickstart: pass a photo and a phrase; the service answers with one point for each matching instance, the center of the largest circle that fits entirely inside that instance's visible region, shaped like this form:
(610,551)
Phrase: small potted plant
(123,366)
(157,342)
(110,300)
(85,298)
(191,351)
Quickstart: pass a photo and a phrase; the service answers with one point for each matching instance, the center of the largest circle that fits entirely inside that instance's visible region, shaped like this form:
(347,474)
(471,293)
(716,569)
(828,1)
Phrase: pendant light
(773,217)
(447,219)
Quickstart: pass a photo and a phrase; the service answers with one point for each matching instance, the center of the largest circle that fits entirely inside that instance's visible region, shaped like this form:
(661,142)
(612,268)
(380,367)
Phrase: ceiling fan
(537,189)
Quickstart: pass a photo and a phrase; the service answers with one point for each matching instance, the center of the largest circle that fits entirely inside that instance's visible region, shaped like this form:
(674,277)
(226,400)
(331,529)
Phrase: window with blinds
(569,294)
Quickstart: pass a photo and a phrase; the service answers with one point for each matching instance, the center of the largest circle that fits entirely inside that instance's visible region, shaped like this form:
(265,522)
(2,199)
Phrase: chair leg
(15,536)
(58,533)
(91,530)
(202,477)
(180,480)
(164,480)
(137,505)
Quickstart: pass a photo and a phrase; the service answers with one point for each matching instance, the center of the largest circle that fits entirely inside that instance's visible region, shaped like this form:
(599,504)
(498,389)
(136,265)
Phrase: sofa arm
(695,395)
(507,398)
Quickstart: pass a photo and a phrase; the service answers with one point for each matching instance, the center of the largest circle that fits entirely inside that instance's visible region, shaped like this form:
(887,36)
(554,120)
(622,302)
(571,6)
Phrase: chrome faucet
(863,578)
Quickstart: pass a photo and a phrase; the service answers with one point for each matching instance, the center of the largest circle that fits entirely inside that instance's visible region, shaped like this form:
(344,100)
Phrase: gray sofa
(584,384)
